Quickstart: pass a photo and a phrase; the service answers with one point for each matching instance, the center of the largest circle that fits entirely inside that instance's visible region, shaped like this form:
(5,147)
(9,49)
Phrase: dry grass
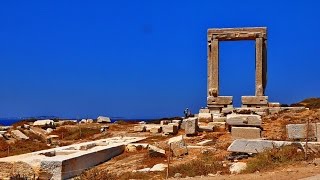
(76,132)
(94,173)
(273,158)
(203,165)
(20,147)
(141,175)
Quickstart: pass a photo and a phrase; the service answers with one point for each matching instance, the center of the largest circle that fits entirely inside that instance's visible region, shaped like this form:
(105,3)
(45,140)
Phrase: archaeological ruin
(259,35)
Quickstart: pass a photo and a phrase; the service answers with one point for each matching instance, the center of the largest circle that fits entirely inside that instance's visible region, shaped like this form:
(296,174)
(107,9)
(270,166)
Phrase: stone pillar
(259,67)
(265,67)
(213,68)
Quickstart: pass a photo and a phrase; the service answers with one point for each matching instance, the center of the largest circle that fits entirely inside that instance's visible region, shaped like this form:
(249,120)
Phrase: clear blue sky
(141,59)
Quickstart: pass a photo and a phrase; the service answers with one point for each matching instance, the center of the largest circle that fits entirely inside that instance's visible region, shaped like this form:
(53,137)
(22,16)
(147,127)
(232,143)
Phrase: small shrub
(272,158)
(94,174)
(204,165)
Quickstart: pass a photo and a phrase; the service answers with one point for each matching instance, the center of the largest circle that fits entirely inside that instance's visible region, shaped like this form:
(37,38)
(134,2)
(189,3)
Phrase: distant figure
(187,113)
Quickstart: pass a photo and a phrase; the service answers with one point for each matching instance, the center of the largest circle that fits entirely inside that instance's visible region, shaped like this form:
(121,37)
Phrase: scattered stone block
(156,130)
(5,128)
(83,121)
(205,142)
(318,131)
(49,130)
(43,122)
(218,126)
(219,119)
(25,126)
(245,133)
(3,132)
(191,126)
(255,145)
(204,111)
(274,104)
(19,135)
(178,146)
(177,121)
(244,120)
(205,117)
(158,167)
(227,110)
(89,120)
(165,122)
(87,146)
(237,167)
(133,148)
(170,129)
(144,170)
(299,131)
(139,128)
(219,100)
(156,152)
(254,100)
(274,110)
(103,119)
(205,129)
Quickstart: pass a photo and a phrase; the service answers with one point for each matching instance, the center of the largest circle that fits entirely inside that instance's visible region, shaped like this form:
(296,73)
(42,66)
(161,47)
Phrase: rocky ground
(205,162)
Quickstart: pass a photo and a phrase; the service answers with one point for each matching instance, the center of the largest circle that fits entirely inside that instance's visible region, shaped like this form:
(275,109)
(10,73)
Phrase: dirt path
(292,172)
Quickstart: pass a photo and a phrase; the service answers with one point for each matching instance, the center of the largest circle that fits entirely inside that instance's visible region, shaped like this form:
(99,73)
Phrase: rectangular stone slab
(254,100)
(245,133)
(244,120)
(220,100)
(299,131)
(257,145)
(231,34)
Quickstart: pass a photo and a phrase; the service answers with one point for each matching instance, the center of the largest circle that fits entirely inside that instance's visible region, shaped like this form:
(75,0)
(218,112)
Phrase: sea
(10,121)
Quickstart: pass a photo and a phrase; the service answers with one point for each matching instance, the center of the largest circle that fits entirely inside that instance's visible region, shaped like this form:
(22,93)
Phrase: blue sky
(145,59)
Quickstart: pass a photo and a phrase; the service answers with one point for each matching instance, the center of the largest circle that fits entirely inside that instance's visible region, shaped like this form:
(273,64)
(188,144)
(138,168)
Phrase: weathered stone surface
(158,167)
(170,129)
(156,130)
(133,147)
(255,145)
(219,119)
(156,152)
(139,128)
(69,161)
(231,34)
(318,131)
(191,126)
(244,119)
(274,104)
(227,110)
(19,135)
(178,121)
(178,146)
(218,126)
(205,117)
(237,167)
(213,68)
(219,100)
(252,110)
(102,119)
(254,100)
(43,122)
(204,111)
(205,129)
(205,142)
(165,122)
(245,133)
(299,131)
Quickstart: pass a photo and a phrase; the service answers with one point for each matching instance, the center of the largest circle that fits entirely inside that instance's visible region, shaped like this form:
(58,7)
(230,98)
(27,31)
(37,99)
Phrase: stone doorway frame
(215,35)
